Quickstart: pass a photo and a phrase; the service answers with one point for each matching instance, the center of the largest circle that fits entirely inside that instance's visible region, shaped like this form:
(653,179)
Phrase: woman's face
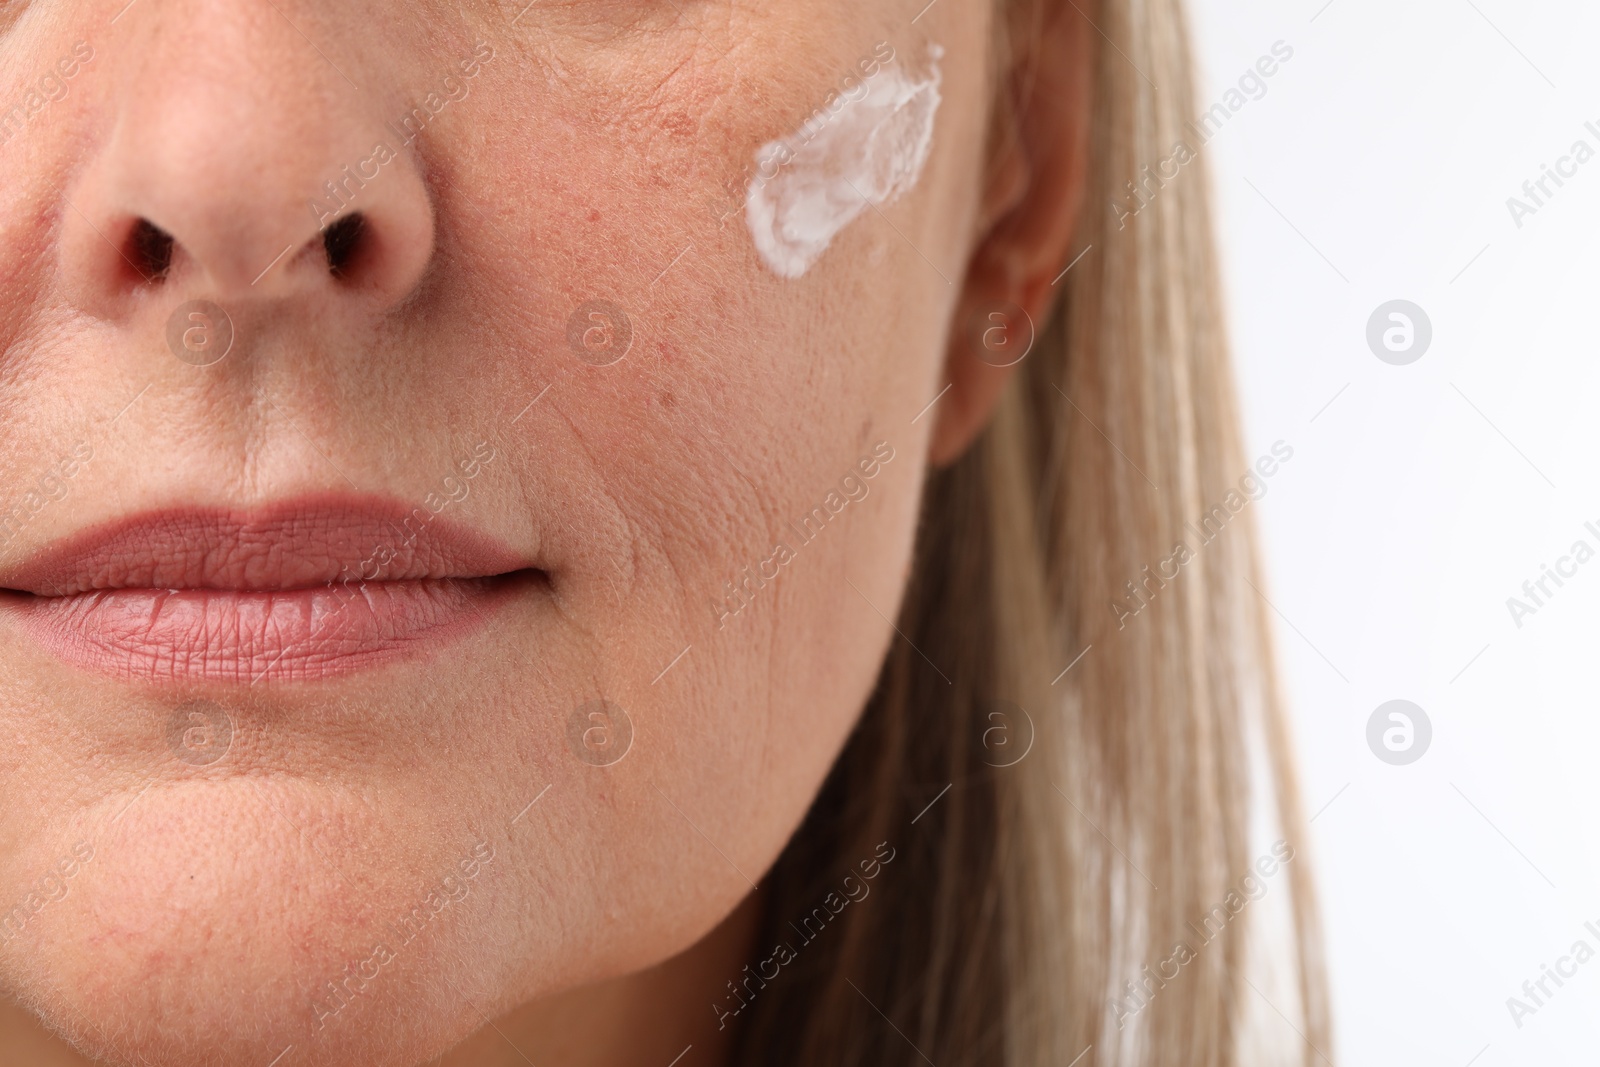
(477,618)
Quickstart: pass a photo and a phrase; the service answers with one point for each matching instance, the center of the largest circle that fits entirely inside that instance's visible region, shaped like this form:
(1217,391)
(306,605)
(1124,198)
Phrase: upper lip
(295,544)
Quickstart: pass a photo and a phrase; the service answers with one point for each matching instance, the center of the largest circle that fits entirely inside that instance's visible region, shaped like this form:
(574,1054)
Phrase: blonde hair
(1022,901)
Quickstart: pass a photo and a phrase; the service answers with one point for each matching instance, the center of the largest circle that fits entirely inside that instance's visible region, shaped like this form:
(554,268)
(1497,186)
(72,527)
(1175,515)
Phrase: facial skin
(596,154)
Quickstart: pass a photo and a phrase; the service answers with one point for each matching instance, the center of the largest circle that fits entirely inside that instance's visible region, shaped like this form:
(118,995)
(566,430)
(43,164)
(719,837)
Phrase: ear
(1033,196)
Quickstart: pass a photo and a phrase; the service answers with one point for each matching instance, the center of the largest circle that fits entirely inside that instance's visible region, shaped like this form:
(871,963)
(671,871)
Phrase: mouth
(298,591)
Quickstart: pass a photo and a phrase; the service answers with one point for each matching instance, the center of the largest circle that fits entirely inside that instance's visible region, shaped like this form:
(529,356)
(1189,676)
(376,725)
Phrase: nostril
(342,242)
(149,249)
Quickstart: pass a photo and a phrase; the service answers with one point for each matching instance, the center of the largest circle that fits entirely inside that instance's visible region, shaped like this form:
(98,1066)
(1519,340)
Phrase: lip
(297,591)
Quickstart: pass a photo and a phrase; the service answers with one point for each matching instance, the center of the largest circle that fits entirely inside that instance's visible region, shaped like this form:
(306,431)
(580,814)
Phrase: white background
(1423,497)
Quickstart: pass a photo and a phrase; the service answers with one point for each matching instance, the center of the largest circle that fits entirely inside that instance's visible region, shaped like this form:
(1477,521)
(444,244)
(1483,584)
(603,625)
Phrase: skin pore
(592,164)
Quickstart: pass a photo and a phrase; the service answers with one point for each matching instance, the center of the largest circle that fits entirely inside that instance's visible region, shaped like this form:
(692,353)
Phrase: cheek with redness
(815,182)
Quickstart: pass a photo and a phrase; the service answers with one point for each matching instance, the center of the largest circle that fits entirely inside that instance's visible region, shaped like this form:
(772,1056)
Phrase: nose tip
(245,184)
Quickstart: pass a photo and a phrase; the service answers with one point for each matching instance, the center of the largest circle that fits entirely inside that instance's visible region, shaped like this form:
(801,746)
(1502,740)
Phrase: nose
(244,166)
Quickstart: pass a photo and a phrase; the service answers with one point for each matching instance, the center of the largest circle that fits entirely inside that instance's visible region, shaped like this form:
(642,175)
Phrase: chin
(205,930)
(190,1026)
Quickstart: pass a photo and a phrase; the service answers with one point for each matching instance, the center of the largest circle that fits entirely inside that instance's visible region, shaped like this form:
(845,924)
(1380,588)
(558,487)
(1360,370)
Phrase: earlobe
(990,337)
(1033,197)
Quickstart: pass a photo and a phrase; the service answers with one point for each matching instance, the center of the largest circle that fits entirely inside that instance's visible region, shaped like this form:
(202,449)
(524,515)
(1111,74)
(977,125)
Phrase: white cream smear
(829,171)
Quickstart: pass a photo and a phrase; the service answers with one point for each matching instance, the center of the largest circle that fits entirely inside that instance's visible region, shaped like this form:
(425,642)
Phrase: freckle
(668,400)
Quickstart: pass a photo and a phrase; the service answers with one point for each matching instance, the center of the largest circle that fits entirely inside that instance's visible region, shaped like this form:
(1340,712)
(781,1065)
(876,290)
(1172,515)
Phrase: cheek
(700,410)
(697,411)
(752,641)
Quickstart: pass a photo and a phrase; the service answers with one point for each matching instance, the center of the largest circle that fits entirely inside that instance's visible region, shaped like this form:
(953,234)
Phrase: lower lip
(159,635)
